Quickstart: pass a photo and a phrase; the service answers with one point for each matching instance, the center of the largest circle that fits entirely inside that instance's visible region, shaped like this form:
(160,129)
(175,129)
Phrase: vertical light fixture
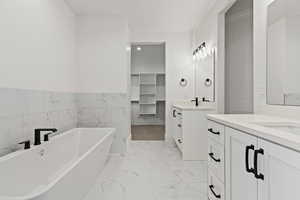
(201,52)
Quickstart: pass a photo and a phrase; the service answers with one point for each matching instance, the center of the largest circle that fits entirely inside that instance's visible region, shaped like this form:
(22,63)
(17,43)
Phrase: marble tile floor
(151,170)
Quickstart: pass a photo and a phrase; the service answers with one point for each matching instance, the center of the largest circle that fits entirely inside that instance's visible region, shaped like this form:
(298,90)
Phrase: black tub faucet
(37,134)
(26,144)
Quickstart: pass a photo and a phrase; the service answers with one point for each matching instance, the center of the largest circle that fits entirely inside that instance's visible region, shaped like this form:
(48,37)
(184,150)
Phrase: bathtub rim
(110,132)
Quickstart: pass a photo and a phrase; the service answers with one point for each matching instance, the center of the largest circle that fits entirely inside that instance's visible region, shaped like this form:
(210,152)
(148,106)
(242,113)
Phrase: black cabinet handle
(213,132)
(213,157)
(174,113)
(218,196)
(248,169)
(179,141)
(179,113)
(179,125)
(256,173)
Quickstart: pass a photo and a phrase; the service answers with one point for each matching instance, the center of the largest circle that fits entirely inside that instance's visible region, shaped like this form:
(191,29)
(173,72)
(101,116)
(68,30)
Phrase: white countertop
(192,106)
(246,123)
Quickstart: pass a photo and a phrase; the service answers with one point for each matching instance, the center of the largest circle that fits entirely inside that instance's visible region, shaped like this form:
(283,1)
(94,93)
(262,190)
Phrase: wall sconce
(183,82)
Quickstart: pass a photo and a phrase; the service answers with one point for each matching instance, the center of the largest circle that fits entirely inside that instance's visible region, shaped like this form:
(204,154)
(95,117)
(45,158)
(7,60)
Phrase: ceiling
(148,15)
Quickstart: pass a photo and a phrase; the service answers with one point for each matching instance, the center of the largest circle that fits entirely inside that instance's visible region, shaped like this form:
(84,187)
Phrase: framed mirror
(283,53)
(205,77)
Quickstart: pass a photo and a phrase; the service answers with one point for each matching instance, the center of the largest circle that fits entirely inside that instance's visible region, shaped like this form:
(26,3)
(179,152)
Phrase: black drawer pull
(179,113)
(174,113)
(213,132)
(213,157)
(211,187)
(179,141)
(257,175)
(179,125)
(248,169)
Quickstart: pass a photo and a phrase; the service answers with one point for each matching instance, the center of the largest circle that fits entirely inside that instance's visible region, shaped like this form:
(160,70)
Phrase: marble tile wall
(21,111)
(106,110)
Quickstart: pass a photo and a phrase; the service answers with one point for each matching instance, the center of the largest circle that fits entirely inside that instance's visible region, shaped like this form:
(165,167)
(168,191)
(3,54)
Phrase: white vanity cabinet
(240,183)
(254,169)
(277,172)
(189,127)
(280,167)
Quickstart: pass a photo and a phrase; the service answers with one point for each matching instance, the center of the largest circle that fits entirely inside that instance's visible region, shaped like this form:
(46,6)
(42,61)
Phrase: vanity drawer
(216,131)
(216,158)
(215,189)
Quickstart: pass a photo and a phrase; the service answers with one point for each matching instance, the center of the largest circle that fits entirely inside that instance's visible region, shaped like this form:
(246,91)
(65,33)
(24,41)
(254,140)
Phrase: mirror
(205,77)
(283,47)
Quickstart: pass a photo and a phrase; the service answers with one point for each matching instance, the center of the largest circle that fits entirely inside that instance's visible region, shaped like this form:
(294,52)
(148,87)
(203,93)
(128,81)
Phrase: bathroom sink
(282,126)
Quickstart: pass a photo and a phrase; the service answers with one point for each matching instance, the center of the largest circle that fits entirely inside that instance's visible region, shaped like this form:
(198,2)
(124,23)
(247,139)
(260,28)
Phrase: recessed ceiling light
(139,48)
(128,48)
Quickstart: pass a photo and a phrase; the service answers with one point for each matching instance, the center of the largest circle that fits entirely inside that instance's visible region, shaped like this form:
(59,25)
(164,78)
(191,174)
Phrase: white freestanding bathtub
(64,168)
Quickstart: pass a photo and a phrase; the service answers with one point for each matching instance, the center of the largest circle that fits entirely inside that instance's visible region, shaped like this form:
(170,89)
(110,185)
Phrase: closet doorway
(148,88)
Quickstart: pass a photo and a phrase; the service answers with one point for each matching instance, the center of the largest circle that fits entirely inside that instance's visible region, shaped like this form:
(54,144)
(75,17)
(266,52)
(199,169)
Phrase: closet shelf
(147,113)
(157,100)
(147,73)
(147,84)
(147,94)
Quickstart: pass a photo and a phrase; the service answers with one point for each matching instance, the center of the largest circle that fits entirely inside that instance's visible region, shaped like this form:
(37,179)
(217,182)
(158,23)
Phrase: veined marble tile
(63,111)
(106,110)
(21,111)
(151,171)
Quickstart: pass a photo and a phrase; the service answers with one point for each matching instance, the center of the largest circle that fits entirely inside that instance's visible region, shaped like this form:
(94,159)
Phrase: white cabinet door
(281,169)
(240,184)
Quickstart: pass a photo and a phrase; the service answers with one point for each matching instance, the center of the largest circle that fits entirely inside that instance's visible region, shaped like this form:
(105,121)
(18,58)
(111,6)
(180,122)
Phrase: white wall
(102,56)
(37,48)
(178,65)
(260,32)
